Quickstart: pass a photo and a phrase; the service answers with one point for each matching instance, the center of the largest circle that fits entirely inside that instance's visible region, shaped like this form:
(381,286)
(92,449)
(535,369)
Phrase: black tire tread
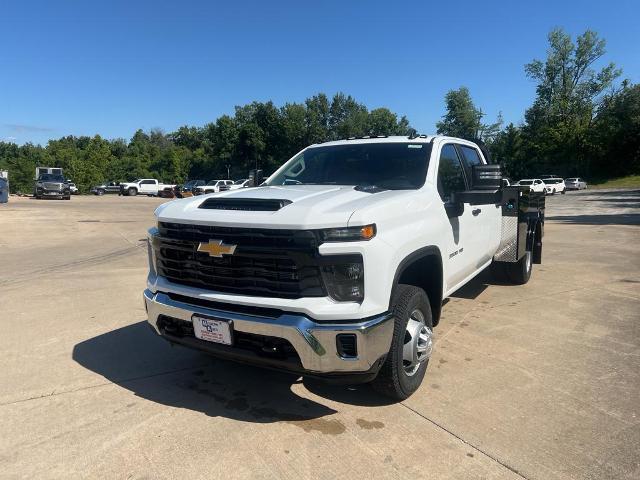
(388,382)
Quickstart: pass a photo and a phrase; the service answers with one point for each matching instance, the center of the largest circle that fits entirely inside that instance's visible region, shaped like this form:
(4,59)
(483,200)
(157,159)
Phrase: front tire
(411,347)
(132,192)
(100,192)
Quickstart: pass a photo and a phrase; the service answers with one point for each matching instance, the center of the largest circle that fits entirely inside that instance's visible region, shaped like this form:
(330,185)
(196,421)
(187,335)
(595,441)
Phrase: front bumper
(52,193)
(315,343)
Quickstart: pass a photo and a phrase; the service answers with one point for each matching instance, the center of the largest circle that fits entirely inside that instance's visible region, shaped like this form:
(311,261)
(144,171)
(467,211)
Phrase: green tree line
(582,122)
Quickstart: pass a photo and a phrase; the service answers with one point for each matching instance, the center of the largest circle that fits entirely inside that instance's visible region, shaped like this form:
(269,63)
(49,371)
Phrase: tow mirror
(486,177)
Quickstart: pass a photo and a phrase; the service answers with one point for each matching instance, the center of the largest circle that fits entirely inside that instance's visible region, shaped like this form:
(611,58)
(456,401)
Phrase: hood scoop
(249,204)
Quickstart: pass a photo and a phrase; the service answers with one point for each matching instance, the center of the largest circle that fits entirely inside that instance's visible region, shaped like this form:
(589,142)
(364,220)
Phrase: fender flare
(429,251)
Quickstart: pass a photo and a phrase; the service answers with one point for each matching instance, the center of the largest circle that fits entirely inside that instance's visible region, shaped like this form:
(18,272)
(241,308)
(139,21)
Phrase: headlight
(348,234)
(343,277)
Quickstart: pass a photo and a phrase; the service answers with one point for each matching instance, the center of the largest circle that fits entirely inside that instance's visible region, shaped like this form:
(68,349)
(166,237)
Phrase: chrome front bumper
(314,342)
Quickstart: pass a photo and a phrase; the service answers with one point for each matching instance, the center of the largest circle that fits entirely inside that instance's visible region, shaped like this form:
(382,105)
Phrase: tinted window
(50,177)
(450,173)
(147,182)
(471,155)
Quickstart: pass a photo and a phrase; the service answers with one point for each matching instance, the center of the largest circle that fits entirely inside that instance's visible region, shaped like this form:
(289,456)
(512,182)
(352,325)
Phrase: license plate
(53,193)
(212,330)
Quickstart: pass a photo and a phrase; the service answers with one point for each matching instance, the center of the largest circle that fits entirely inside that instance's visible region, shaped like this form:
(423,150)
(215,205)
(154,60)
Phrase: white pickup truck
(338,265)
(144,186)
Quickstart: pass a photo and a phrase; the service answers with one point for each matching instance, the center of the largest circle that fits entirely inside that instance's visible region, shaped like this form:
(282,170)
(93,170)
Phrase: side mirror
(486,177)
(454,207)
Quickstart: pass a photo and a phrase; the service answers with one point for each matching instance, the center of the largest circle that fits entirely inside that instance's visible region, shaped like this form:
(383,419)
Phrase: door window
(470,155)
(450,173)
(147,182)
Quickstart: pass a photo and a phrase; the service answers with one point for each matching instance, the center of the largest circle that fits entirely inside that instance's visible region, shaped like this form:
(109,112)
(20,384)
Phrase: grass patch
(632,181)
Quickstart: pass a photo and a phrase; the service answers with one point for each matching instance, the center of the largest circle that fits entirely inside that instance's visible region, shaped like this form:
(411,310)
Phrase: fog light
(344,281)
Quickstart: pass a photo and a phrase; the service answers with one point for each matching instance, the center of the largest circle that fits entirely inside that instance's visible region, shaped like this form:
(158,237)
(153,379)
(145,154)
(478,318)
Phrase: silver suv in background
(575,183)
(50,185)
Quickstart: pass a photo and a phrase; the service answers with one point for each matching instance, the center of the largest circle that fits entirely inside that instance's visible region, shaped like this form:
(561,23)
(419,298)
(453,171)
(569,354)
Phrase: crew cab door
(488,217)
(462,241)
(148,187)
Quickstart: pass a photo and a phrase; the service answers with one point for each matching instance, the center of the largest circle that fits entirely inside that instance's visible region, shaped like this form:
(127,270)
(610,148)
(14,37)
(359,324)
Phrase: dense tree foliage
(579,124)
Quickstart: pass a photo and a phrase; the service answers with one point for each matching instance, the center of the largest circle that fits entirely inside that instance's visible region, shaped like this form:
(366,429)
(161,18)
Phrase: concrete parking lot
(537,382)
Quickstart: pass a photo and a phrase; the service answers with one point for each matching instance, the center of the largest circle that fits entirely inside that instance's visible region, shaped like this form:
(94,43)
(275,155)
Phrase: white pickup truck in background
(143,186)
(338,264)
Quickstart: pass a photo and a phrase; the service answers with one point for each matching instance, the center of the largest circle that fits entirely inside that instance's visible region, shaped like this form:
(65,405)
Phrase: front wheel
(100,192)
(411,346)
(132,192)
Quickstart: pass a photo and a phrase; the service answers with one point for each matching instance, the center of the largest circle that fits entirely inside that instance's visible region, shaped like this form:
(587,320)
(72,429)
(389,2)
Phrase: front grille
(52,186)
(269,263)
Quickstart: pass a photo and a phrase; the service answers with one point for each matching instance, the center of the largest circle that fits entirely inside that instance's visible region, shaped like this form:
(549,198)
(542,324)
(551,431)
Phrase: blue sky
(87,67)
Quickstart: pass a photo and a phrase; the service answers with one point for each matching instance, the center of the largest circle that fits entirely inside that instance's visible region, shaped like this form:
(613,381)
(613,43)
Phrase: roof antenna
(412,134)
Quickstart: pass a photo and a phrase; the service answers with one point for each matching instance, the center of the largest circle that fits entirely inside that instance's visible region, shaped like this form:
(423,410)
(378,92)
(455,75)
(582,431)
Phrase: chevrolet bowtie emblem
(215,248)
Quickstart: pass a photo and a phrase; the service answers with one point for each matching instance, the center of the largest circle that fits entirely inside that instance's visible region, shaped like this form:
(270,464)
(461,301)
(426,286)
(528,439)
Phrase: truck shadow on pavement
(134,358)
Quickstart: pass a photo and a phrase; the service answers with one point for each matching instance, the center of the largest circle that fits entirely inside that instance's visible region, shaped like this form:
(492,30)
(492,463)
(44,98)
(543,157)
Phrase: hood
(302,207)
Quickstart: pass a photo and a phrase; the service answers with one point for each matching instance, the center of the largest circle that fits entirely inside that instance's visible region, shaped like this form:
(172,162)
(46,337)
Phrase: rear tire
(516,273)
(411,345)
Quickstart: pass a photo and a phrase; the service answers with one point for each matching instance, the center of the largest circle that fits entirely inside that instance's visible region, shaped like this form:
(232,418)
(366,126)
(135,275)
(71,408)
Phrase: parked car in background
(106,187)
(188,189)
(534,184)
(245,182)
(214,186)
(74,190)
(144,186)
(52,185)
(556,185)
(575,183)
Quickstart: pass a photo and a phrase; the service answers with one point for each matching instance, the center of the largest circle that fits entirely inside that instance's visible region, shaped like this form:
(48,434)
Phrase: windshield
(50,177)
(212,182)
(553,180)
(393,166)
(525,182)
(239,182)
(572,179)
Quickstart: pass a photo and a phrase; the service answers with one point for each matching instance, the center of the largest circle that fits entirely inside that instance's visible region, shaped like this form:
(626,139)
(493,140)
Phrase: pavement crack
(469,444)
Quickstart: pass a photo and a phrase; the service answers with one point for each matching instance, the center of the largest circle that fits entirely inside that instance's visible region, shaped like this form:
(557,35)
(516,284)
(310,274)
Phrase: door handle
(476,212)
